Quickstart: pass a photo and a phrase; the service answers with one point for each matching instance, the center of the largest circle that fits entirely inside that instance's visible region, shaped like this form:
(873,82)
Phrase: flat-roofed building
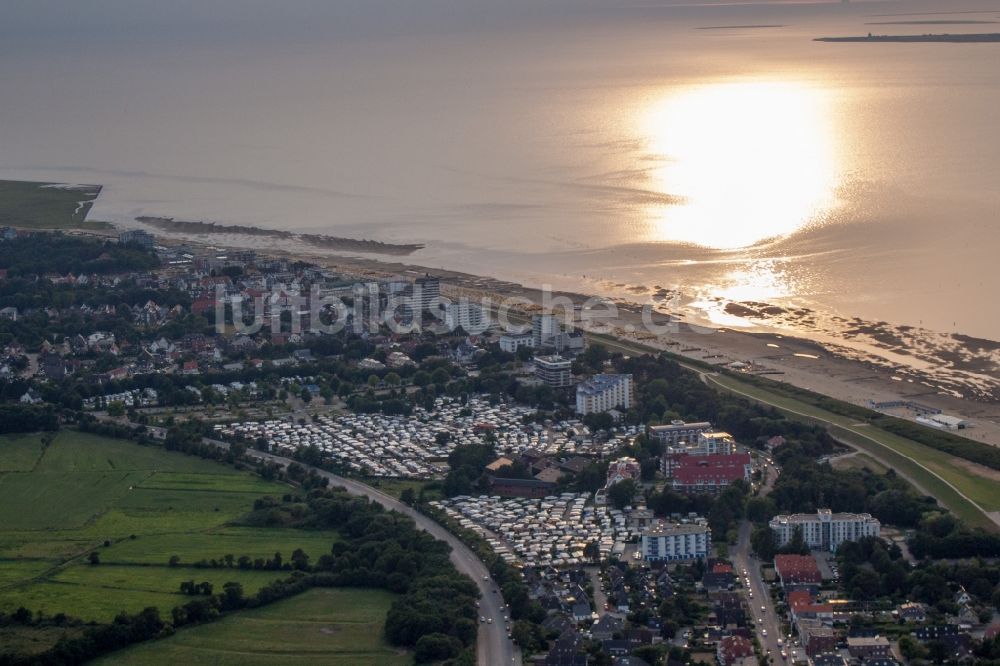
(138,237)
(511,342)
(824,530)
(555,371)
(602,393)
(679,431)
(676,542)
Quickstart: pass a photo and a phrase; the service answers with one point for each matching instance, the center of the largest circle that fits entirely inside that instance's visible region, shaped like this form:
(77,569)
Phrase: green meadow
(47,206)
(135,507)
(333,627)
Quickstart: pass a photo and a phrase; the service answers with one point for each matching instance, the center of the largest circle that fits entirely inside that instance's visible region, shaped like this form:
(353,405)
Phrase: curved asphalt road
(493,647)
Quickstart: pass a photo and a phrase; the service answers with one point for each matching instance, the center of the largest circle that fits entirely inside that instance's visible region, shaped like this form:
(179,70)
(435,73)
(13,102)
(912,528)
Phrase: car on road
(763,609)
(489,620)
(764,633)
(482,619)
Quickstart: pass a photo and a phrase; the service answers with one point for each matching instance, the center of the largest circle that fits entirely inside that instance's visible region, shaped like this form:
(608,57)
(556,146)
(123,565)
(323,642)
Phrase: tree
(599,421)
(407,496)
(440,376)
(94,558)
(300,560)
(761,509)
(174,560)
(911,648)
(116,409)
(621,494)
(435,647)
(762,542)
(232,596)
(797,544)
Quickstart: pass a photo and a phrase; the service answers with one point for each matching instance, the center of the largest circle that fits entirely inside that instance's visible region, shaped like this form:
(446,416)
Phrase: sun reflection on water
(752,161)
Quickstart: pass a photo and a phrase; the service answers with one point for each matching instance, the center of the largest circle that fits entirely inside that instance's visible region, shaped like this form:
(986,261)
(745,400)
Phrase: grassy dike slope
(968,494)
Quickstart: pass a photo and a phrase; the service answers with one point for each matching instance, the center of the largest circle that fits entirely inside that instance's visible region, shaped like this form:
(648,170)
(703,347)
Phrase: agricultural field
(135,507)
(333,627)
(47,205)
(21,452)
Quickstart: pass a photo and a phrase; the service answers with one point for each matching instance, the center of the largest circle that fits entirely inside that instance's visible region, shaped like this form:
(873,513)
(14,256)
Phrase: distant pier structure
(926,415)
(903,404)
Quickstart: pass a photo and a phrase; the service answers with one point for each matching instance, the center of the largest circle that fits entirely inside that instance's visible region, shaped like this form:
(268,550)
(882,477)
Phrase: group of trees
(27,418)
(942,536)
(37,254)
(466,463)
(806,485)
(872,569)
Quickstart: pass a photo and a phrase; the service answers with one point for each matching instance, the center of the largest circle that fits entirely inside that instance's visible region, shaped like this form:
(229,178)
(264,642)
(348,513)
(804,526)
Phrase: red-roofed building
(736,651)
(802,605)
(797,570)
(706,474)
(202,305)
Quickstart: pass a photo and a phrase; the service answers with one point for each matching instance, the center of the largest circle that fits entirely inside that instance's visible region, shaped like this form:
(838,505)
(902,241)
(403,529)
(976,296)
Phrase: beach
(873,367)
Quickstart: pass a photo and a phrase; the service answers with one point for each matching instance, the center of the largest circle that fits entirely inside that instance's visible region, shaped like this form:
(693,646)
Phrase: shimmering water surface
(594,145)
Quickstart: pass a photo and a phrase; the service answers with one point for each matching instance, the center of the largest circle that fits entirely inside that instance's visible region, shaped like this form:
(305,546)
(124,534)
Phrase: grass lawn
(859,461)
(47,206)
(86,490)
(335,627)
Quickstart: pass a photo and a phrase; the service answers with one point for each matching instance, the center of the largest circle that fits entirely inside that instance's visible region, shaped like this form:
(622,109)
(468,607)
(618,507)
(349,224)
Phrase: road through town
(493,648)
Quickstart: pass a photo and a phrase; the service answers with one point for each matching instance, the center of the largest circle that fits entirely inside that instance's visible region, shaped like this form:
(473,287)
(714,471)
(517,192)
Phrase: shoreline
(821,363)
(818,366)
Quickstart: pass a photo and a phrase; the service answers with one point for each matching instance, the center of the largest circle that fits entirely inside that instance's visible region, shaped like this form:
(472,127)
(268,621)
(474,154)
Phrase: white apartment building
(426,292)
(469,316)
(678,431)
(825,530)
(676,542)
(602,393)
(554,371)
(544,328)
(511,342)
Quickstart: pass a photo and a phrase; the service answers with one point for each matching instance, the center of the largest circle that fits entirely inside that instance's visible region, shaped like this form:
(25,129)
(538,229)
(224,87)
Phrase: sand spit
(332,243)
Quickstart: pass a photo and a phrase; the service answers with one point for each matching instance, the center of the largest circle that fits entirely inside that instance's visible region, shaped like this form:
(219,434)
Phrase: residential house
(735,651)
